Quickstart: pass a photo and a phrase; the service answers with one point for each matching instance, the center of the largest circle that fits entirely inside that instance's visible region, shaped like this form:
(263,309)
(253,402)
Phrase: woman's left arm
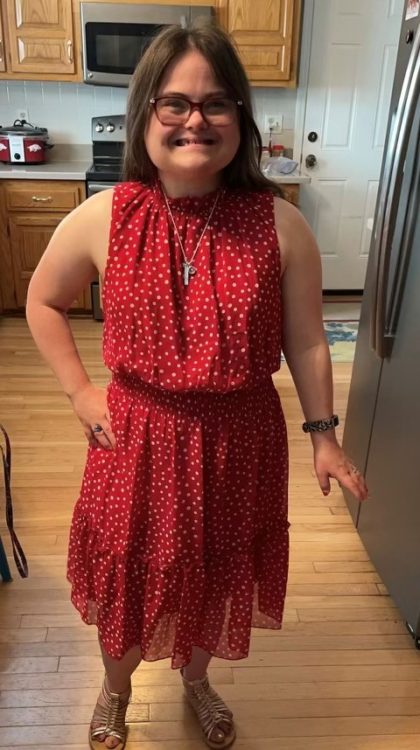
(305,345)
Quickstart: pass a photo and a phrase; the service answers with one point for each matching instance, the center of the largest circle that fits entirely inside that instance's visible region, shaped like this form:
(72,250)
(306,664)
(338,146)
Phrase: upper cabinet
(40,39)
(40,36)
(267,35)
(2,60)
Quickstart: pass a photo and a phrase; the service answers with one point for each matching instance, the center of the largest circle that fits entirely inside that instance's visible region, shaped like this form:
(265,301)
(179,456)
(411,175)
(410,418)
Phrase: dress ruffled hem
(165,610)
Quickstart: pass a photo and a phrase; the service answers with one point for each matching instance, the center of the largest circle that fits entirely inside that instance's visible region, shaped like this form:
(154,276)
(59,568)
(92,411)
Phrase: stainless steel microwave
(115,35)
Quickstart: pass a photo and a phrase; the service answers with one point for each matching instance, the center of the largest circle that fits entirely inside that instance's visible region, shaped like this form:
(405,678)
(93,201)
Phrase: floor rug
(341,336)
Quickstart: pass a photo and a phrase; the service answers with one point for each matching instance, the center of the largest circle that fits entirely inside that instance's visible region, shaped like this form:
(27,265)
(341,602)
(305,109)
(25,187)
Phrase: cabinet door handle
(38,199)
(70,51)
(1,51)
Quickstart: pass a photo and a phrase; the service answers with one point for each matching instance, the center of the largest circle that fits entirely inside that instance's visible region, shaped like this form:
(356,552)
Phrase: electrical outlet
(22,114)
(273,121)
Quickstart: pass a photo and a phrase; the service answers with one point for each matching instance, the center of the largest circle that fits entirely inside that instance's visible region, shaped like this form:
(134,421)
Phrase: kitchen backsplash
(67,108)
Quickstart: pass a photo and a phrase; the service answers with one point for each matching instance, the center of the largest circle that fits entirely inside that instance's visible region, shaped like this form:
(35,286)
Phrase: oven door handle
(97,187)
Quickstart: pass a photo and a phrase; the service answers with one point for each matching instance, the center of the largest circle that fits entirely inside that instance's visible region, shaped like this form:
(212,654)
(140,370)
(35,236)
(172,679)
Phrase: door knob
(310,160)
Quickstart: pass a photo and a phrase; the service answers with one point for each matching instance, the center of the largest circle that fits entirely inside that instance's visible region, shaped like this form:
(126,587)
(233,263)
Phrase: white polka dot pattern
(180,535)
(222,331)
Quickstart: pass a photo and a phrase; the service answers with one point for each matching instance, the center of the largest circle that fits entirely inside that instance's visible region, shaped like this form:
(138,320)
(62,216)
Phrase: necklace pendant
(186,268)
(188,271)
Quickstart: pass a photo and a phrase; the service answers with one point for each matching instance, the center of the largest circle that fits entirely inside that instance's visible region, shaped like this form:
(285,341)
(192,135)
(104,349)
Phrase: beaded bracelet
(320,425)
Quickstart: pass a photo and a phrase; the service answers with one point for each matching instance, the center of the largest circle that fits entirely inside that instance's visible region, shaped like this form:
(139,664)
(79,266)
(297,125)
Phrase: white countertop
(294,178)
(76,170)
(54,170)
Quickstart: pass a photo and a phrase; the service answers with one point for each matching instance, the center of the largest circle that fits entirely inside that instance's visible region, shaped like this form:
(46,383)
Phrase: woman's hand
(90,405)
(331,461)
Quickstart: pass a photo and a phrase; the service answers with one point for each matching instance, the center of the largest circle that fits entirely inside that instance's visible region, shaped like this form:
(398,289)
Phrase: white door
(348,61)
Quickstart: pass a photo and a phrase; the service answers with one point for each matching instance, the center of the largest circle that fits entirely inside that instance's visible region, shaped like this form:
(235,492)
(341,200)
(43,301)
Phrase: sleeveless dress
(180,535)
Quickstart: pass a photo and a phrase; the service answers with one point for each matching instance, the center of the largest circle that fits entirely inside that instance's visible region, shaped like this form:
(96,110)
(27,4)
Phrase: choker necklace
(188,269)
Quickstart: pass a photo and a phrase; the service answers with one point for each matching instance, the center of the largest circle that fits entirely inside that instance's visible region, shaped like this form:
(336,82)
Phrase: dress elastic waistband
(194,397)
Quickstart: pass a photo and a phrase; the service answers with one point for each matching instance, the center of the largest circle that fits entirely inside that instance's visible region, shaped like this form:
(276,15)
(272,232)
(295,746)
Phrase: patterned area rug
(341,335)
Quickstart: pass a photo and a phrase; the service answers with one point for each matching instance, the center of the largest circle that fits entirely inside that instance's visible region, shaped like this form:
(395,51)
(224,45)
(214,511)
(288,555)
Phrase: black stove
(108,138)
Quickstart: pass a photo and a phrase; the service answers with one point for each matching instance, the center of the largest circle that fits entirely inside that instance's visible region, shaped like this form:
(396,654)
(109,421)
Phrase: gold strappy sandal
(111,718)
(211,712)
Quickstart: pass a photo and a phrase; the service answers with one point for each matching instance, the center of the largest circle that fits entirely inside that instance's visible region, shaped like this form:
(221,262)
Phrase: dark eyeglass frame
(193,105)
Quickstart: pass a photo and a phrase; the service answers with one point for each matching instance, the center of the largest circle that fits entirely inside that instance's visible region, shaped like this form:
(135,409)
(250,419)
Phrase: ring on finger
(97,428)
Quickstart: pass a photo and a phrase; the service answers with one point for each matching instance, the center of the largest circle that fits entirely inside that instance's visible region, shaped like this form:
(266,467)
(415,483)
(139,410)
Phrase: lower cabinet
(29,236)
(30,211)
(291,192)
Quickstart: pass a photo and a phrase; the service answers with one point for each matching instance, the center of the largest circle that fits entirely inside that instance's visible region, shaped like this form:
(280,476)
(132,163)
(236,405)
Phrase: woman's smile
(194,141)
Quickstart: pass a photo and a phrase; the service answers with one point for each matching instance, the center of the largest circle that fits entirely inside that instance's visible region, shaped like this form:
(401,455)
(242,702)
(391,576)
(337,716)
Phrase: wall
(66,108)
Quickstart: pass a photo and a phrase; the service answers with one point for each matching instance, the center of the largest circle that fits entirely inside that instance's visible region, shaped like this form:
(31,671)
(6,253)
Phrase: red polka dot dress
(180,535)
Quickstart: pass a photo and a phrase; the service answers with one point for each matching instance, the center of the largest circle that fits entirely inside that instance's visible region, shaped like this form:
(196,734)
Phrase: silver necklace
(188,268)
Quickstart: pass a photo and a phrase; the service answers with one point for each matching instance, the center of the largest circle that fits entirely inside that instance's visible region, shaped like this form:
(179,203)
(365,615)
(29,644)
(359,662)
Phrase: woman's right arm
(74,256)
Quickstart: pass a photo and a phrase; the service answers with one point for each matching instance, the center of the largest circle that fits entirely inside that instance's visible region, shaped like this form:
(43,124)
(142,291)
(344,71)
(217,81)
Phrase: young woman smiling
(179,540)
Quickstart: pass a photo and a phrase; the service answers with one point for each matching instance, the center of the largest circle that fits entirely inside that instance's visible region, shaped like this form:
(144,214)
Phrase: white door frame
(303,77)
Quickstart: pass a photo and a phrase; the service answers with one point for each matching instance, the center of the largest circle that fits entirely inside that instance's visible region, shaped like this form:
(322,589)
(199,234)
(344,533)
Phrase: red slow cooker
(23,143)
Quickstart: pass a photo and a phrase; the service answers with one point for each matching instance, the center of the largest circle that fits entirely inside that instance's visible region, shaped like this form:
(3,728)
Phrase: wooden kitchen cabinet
(41,40)
(44,195)
(2,52)
(31,210)
(291,192)
(267,35)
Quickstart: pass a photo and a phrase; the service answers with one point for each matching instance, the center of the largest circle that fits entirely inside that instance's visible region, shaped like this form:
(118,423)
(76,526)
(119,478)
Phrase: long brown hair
(217,47)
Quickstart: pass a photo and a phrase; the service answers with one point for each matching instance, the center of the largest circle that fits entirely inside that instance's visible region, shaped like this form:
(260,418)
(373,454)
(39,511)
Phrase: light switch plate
(275,122)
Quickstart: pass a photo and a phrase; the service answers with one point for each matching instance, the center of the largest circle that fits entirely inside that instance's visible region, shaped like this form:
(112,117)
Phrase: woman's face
(194,152)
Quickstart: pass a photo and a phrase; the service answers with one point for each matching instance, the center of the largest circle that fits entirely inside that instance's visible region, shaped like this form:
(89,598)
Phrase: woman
(179,539)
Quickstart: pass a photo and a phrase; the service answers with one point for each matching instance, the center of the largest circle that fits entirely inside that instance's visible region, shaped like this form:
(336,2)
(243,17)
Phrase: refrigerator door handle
(387,209)
(379,220)
(397,292)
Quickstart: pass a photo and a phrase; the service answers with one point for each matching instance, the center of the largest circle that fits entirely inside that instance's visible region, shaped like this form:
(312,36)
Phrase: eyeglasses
(176,110)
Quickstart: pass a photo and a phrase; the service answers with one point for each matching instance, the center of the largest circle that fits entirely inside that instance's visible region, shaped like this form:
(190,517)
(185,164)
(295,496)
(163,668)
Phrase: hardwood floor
(342,674)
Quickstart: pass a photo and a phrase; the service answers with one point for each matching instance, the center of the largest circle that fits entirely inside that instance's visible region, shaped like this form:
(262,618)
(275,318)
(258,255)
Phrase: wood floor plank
(307,709)
(10,637)
(320,673)
(80,713)
(144,676)
(272,659)
(35,644)
(62,645)
(361,742)
(247,727)
(73,714)
(336,627)
(340,695)
(314,614)
(29,665)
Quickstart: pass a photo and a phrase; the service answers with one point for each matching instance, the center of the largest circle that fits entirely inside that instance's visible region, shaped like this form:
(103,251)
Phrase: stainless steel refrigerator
(382,427)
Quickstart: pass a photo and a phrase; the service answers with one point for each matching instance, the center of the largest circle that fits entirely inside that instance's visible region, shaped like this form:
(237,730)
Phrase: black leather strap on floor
(18,552)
